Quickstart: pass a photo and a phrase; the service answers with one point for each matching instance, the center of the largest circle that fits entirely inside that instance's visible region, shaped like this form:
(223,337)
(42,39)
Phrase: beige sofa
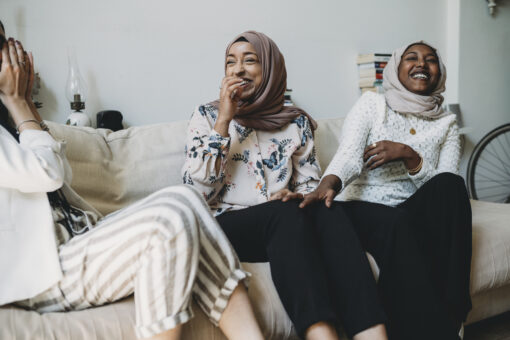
(112,169)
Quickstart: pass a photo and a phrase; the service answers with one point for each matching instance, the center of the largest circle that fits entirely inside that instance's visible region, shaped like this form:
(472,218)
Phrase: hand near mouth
(236,93)
(231,90)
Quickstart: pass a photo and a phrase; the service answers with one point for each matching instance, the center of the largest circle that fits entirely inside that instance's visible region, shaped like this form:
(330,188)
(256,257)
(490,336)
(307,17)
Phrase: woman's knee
(452,189)
(287,209)
(288,217)
(176,223)
(331,220)
(448,180)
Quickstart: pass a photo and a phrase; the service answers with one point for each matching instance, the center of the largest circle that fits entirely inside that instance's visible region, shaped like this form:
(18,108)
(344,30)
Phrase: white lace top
(371,120)
(253,164)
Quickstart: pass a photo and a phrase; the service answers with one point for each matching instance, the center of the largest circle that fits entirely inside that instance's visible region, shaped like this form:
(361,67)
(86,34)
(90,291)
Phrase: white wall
(154,60)
(451,53)
(484,78)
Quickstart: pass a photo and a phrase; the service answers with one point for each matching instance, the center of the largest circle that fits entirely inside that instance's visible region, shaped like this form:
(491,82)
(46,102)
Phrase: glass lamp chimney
(76,87)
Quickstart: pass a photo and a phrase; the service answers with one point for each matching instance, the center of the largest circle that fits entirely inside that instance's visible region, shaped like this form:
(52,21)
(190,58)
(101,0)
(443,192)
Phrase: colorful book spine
(372,65)
(370,72)
(373,57)
(370,68)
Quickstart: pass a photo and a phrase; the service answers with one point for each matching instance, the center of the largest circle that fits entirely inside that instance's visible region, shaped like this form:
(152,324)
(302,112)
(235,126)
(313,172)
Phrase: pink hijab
(265,111)
(401,100)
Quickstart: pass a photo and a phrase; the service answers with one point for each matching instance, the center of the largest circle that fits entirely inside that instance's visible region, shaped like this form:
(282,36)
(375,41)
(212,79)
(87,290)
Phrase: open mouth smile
(246,82)
(421,75)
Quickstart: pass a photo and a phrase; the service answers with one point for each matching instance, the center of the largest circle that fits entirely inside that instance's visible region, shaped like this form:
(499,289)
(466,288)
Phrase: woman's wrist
(13,103)
(412,160)
(29,124)
(221,126)
(331,182)
(19,110)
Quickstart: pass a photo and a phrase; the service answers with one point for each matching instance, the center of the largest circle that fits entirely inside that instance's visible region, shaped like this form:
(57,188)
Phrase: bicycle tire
(475,162)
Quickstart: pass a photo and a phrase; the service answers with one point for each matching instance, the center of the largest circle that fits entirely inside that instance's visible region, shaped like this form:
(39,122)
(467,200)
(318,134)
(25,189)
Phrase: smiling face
(419,69)
(242,61)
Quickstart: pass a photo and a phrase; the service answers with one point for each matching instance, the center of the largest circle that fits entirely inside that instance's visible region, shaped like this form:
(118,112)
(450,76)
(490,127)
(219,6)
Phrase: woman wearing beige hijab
(252,158)
(396,169)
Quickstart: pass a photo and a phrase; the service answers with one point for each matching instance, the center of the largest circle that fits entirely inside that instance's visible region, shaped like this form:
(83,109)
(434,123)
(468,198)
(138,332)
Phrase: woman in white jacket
(57,253)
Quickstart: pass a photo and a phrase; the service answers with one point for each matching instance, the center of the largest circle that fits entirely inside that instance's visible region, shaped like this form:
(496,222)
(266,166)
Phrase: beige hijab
(401,100)
(265,111)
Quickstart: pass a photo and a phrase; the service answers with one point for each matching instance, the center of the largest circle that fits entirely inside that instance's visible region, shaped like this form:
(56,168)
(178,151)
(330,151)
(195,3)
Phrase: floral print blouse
(246,168)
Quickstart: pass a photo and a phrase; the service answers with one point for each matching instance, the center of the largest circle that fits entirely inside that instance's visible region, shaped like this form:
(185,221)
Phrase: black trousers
(315,283)
(423,249)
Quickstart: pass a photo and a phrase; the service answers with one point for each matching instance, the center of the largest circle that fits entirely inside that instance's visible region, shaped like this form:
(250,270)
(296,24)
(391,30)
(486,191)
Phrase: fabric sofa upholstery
(114,169)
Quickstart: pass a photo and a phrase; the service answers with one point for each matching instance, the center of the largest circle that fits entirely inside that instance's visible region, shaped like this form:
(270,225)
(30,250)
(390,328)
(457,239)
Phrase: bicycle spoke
(502,197)
(506,137)
(491,171)
(505,166)
(495,195)
(502,147)
(495,154)
(488,173)
(489,178)
(490,194)
(493,186)
(494,165)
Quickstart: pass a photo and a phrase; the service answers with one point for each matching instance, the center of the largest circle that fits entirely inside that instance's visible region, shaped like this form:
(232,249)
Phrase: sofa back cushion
(114,169)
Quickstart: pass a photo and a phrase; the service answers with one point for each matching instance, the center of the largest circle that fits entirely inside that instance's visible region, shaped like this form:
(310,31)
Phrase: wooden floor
(496,328)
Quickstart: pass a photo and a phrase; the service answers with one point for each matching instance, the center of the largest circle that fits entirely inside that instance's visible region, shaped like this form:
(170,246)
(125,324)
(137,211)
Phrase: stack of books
(370,67)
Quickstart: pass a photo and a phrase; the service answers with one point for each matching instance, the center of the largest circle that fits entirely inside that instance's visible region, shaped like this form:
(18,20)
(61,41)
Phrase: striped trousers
(165,249)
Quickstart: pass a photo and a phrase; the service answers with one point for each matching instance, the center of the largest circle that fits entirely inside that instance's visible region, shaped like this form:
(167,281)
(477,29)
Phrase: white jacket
(29,262)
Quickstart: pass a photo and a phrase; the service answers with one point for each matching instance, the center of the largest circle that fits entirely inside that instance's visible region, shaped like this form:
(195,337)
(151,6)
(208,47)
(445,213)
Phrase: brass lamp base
(77,106)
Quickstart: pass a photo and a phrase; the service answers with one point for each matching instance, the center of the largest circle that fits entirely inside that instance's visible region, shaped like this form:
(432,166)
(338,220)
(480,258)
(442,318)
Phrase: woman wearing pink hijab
(252,158)
(396,169)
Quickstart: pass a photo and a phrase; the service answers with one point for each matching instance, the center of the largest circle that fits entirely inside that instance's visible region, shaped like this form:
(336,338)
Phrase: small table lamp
(76,93)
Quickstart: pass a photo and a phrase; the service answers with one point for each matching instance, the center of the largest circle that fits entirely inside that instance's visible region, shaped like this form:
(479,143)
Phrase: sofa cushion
(116,321)
(107,322)
(113,169)
(490,265)
(326,139)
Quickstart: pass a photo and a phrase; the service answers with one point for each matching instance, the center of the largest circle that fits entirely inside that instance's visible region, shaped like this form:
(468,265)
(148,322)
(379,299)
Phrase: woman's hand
(326,191)
(386,151)
(231,89)
(14,81)
(14,75)
(29,68)
(286,195)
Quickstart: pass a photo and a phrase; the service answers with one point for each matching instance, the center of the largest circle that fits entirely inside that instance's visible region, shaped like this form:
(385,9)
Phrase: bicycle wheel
(488,172)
